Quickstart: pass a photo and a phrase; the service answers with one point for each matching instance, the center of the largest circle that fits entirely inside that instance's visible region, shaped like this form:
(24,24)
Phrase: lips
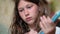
(28,18)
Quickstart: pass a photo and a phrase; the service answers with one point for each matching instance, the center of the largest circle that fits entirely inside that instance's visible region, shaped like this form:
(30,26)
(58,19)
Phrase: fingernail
(40,17)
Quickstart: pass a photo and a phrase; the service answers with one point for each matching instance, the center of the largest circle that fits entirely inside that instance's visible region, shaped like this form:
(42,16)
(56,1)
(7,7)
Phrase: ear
(41,8)
(45,11)
(41,11)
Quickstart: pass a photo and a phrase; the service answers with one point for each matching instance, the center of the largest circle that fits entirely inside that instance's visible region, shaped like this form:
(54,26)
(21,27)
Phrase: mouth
(28,18)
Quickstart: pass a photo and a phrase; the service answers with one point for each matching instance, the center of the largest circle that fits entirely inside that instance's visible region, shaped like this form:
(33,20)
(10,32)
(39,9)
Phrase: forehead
(24,3)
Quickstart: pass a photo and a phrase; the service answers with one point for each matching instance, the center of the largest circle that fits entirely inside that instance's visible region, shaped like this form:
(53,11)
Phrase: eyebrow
(26,5)
(29,4)
(20,8)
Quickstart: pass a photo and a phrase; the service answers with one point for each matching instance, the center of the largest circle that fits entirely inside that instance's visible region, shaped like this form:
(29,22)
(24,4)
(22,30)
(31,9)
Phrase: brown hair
(19,26)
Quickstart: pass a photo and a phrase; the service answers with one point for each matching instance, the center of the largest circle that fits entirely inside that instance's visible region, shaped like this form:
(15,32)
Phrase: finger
(45,19)
(46,22)
(49,19)
(51,24)
(43,22)
(42,27)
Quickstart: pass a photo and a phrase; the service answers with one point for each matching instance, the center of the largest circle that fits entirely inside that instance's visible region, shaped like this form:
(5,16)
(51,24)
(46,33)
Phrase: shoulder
(57,30)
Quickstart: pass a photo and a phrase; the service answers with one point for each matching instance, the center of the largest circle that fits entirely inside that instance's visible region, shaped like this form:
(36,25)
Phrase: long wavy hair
(18,26)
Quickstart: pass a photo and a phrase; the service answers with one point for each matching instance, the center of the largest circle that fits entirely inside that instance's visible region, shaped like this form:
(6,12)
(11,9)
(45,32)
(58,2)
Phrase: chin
(30,22)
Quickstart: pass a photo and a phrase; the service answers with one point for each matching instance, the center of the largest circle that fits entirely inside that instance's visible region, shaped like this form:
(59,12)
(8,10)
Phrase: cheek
(34,11)
(22,15)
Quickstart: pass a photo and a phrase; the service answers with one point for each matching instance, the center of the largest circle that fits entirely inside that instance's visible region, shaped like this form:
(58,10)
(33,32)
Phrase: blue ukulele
(54,18)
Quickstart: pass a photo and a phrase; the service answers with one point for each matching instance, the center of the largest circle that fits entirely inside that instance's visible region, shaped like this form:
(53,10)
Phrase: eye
(21,10)
(29,6)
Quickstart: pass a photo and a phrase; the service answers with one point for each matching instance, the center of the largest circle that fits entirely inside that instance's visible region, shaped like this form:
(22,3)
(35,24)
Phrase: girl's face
(28,11)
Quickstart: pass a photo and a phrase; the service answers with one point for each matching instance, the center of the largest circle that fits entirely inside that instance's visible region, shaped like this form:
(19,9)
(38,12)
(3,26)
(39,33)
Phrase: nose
(26,12)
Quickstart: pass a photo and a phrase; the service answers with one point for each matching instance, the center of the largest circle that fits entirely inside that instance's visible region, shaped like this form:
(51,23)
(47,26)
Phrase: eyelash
(23,9)
(29,6)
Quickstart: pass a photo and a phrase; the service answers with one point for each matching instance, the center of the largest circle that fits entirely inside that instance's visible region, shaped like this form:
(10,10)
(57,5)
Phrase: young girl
(32,17)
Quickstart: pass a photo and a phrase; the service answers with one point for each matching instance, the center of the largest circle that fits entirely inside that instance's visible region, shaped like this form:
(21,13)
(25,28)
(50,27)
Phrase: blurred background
(6,11)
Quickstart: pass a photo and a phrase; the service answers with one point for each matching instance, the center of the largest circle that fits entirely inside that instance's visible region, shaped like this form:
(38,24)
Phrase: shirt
(56,32)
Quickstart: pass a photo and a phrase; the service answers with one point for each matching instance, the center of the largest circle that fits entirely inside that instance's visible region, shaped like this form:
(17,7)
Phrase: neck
(35,25)
(32,26)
